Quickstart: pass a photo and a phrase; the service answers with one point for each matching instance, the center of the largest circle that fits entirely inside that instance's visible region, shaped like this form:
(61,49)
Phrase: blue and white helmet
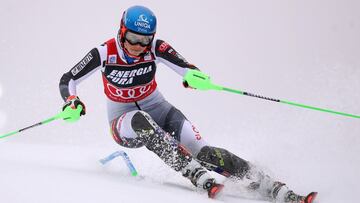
(139,19)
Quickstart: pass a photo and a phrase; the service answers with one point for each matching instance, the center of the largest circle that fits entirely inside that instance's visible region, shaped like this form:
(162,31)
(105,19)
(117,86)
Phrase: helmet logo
(143,22)
(143,18)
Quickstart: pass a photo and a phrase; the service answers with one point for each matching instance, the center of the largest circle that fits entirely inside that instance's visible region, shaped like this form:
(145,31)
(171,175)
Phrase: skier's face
(134,50)
(136,44)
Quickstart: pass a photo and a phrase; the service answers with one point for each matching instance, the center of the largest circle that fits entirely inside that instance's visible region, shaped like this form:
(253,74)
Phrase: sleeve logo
(82,64)
(163,47)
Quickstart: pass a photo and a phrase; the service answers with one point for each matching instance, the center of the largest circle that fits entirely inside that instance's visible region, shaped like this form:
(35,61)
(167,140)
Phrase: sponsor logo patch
(143,22)
(129,94)
(112,59)
(127,77)
(143,18)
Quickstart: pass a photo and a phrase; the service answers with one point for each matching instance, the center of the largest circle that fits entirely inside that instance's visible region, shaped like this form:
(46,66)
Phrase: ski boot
(291,197)
(310,197)
(213,188)
(281,193)
(200,177)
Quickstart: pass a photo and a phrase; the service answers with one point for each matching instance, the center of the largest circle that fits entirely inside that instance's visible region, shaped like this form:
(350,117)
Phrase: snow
(2,119)
(305,52)
(2,115)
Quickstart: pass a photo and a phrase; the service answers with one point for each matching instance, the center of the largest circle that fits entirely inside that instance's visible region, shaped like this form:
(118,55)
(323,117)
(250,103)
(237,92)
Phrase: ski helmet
(139,20)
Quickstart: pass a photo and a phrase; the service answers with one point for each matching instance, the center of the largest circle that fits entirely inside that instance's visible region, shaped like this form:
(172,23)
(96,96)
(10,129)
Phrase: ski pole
(70,115)
(202,81)
(288,102)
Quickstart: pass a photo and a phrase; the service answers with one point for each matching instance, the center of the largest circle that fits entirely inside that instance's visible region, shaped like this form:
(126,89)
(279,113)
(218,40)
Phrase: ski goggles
(142,40)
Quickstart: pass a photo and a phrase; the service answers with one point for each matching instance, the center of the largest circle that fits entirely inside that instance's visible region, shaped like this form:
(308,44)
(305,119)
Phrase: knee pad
(143,124)
(174,122)
(146,129)
(223,162)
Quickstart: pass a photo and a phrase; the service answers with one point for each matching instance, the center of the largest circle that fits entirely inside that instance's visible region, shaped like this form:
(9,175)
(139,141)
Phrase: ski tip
(215,190)
(310,197)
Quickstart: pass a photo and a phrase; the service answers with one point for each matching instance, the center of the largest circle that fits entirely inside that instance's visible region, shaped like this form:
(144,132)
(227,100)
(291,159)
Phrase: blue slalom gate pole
(125,157)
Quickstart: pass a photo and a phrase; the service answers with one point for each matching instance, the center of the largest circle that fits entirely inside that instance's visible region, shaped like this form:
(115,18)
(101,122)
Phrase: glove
(186,85)
(71,108)
(74,101)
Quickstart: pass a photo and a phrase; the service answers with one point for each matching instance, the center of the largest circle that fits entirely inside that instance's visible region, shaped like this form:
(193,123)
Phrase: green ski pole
(288,102)
(69,115)
(202,81)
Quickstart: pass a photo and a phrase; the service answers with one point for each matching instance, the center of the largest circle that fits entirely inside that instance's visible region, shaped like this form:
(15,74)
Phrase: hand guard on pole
(198,80)
(73,109)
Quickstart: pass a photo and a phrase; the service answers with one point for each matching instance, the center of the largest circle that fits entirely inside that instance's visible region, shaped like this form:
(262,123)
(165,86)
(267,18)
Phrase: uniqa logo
(142,21)
(143,18)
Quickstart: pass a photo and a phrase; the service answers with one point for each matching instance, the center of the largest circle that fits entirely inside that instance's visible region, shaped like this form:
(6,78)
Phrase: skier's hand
(186,85)
(73,108)
(73,102)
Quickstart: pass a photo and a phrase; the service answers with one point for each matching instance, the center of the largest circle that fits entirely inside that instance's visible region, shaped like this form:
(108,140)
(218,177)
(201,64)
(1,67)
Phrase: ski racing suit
(139,115)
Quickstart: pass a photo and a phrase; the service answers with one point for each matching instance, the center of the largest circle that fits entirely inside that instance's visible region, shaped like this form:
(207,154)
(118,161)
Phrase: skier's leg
(228,164)
(217,159)
(273,190)
(183,131)
(139,127)
(123,133)
(159,142)
(220,160)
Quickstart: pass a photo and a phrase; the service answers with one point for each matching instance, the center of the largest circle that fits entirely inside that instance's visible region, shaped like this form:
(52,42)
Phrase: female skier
(139,115)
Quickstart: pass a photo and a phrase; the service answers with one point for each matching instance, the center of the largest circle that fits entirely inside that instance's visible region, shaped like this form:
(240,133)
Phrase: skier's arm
(166,54)
(88,65)
(170,57)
